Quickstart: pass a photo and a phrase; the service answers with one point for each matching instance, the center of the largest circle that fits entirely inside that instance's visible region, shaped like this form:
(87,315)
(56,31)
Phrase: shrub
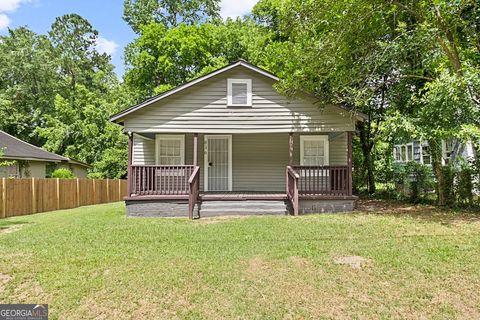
(63,173)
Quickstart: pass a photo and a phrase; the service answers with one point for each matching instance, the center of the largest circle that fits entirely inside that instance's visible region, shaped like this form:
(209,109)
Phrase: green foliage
(62,173)
(162,58)
(58,91)
(170,13)
(413,181)
(28,82)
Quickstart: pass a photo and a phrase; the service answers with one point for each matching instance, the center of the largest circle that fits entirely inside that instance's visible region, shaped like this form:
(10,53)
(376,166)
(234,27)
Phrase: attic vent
(239,92)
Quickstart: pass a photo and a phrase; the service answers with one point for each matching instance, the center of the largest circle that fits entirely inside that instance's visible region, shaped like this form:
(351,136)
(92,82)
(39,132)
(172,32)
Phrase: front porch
(304,188)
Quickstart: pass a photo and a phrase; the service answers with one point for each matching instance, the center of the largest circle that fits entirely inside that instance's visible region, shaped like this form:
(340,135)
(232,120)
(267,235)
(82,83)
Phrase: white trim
(323,138)
(230,82)
(242,63)
(230,158)
(179,137)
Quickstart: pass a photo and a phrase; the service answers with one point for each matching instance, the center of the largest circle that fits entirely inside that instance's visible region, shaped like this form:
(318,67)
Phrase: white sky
(235,8)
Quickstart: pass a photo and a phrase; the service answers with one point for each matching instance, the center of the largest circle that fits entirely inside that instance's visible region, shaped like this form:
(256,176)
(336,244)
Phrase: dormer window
(239,92)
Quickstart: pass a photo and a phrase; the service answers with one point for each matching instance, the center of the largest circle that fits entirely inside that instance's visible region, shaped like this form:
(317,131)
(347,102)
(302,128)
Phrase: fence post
(4,197)
(78,192)
(94,192)
(108,190)
(58,193)
(34,196)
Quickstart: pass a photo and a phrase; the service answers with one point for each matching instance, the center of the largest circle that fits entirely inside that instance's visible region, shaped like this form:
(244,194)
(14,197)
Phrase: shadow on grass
(428,213)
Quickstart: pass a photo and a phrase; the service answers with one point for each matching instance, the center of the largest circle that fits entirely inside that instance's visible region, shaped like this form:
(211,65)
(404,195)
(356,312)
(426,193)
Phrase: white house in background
(419,151)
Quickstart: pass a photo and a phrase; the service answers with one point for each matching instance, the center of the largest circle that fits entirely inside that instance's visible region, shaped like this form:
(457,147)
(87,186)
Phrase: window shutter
(239,93)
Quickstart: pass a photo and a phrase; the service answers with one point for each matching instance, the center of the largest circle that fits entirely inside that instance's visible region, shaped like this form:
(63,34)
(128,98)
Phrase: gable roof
(193,82)
(16,149)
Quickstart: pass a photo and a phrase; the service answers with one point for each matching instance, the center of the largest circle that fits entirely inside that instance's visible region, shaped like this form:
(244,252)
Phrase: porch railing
(161,180)
(194,183)
(292,188)
(304,181)
(167,181)
(323,180)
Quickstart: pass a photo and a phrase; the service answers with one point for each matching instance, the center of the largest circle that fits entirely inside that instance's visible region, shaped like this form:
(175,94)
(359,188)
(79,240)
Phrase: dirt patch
(356,262)
(421,212)
(10,229)
(4,279)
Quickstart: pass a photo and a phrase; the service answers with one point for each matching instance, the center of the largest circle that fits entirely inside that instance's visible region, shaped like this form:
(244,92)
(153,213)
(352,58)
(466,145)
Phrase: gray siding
(203,108)
(143,151)
(259,160)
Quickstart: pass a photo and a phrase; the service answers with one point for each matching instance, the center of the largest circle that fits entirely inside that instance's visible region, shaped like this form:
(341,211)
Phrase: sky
(104,15)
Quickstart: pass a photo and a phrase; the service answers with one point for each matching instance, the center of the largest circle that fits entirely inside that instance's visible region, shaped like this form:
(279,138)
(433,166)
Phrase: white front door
(218,163)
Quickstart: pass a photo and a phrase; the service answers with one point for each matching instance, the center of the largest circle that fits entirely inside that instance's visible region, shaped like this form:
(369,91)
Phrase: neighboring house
(419,151)
(229,143)
(30,161)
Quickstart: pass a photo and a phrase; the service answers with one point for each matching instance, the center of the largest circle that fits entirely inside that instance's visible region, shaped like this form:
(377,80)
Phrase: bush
(413,180)
(63,173)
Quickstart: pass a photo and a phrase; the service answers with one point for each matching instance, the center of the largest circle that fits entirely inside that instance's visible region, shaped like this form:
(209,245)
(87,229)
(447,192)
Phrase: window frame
(326,147)
(230,83)
(178,137)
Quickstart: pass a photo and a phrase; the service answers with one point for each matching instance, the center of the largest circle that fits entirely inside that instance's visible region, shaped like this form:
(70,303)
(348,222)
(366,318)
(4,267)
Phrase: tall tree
(170,13)
(165,57)
(28,82)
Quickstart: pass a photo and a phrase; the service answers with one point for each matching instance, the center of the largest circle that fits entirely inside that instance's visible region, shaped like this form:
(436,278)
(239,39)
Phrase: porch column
(349,162)
(129,164)
(290,148)
(195,149)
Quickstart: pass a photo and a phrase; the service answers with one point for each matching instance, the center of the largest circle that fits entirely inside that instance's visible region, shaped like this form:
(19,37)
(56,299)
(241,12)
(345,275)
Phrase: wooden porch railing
(304,181)
(160,180)
(323,180)
(194,183)
(292,188)
(166,181)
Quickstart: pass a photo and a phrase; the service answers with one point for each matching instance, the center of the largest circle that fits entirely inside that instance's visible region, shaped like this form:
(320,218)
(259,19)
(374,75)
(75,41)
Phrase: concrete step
(220,208)
(242,204)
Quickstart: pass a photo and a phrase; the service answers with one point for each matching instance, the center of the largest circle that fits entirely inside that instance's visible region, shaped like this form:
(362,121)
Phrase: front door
(218,163)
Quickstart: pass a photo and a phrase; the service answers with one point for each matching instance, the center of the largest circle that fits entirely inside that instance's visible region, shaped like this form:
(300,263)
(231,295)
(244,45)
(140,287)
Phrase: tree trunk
(368,161)
(436,154)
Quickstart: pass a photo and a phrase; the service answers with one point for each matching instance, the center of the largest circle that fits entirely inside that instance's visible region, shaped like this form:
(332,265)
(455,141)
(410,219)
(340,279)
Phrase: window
(427,158)
(403,153)
(314,150)
(397,153)
(409,152)
(239,92)
(170,149)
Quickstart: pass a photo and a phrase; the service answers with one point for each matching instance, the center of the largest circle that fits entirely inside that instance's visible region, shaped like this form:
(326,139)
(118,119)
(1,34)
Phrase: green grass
(93,262)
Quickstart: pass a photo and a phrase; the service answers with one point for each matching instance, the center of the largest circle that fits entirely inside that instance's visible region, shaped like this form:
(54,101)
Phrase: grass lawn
(93,262)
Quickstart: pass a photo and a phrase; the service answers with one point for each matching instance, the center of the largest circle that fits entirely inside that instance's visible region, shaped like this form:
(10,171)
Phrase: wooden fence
(26,196)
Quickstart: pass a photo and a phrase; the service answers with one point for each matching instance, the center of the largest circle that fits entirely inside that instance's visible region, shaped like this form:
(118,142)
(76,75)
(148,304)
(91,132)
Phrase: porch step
(246,207)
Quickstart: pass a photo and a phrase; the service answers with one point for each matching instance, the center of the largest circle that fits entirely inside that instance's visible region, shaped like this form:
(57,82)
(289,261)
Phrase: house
(29,161)
(229,143)
(419,151)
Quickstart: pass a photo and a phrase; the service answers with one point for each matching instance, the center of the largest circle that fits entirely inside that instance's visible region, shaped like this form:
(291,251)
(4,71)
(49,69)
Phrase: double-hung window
(170,150)
(314,150)
(239,92)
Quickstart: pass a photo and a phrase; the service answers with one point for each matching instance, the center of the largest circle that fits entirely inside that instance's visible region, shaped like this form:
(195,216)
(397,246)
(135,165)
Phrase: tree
(169,13)
(74,40)
(162,57)
(28,82)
